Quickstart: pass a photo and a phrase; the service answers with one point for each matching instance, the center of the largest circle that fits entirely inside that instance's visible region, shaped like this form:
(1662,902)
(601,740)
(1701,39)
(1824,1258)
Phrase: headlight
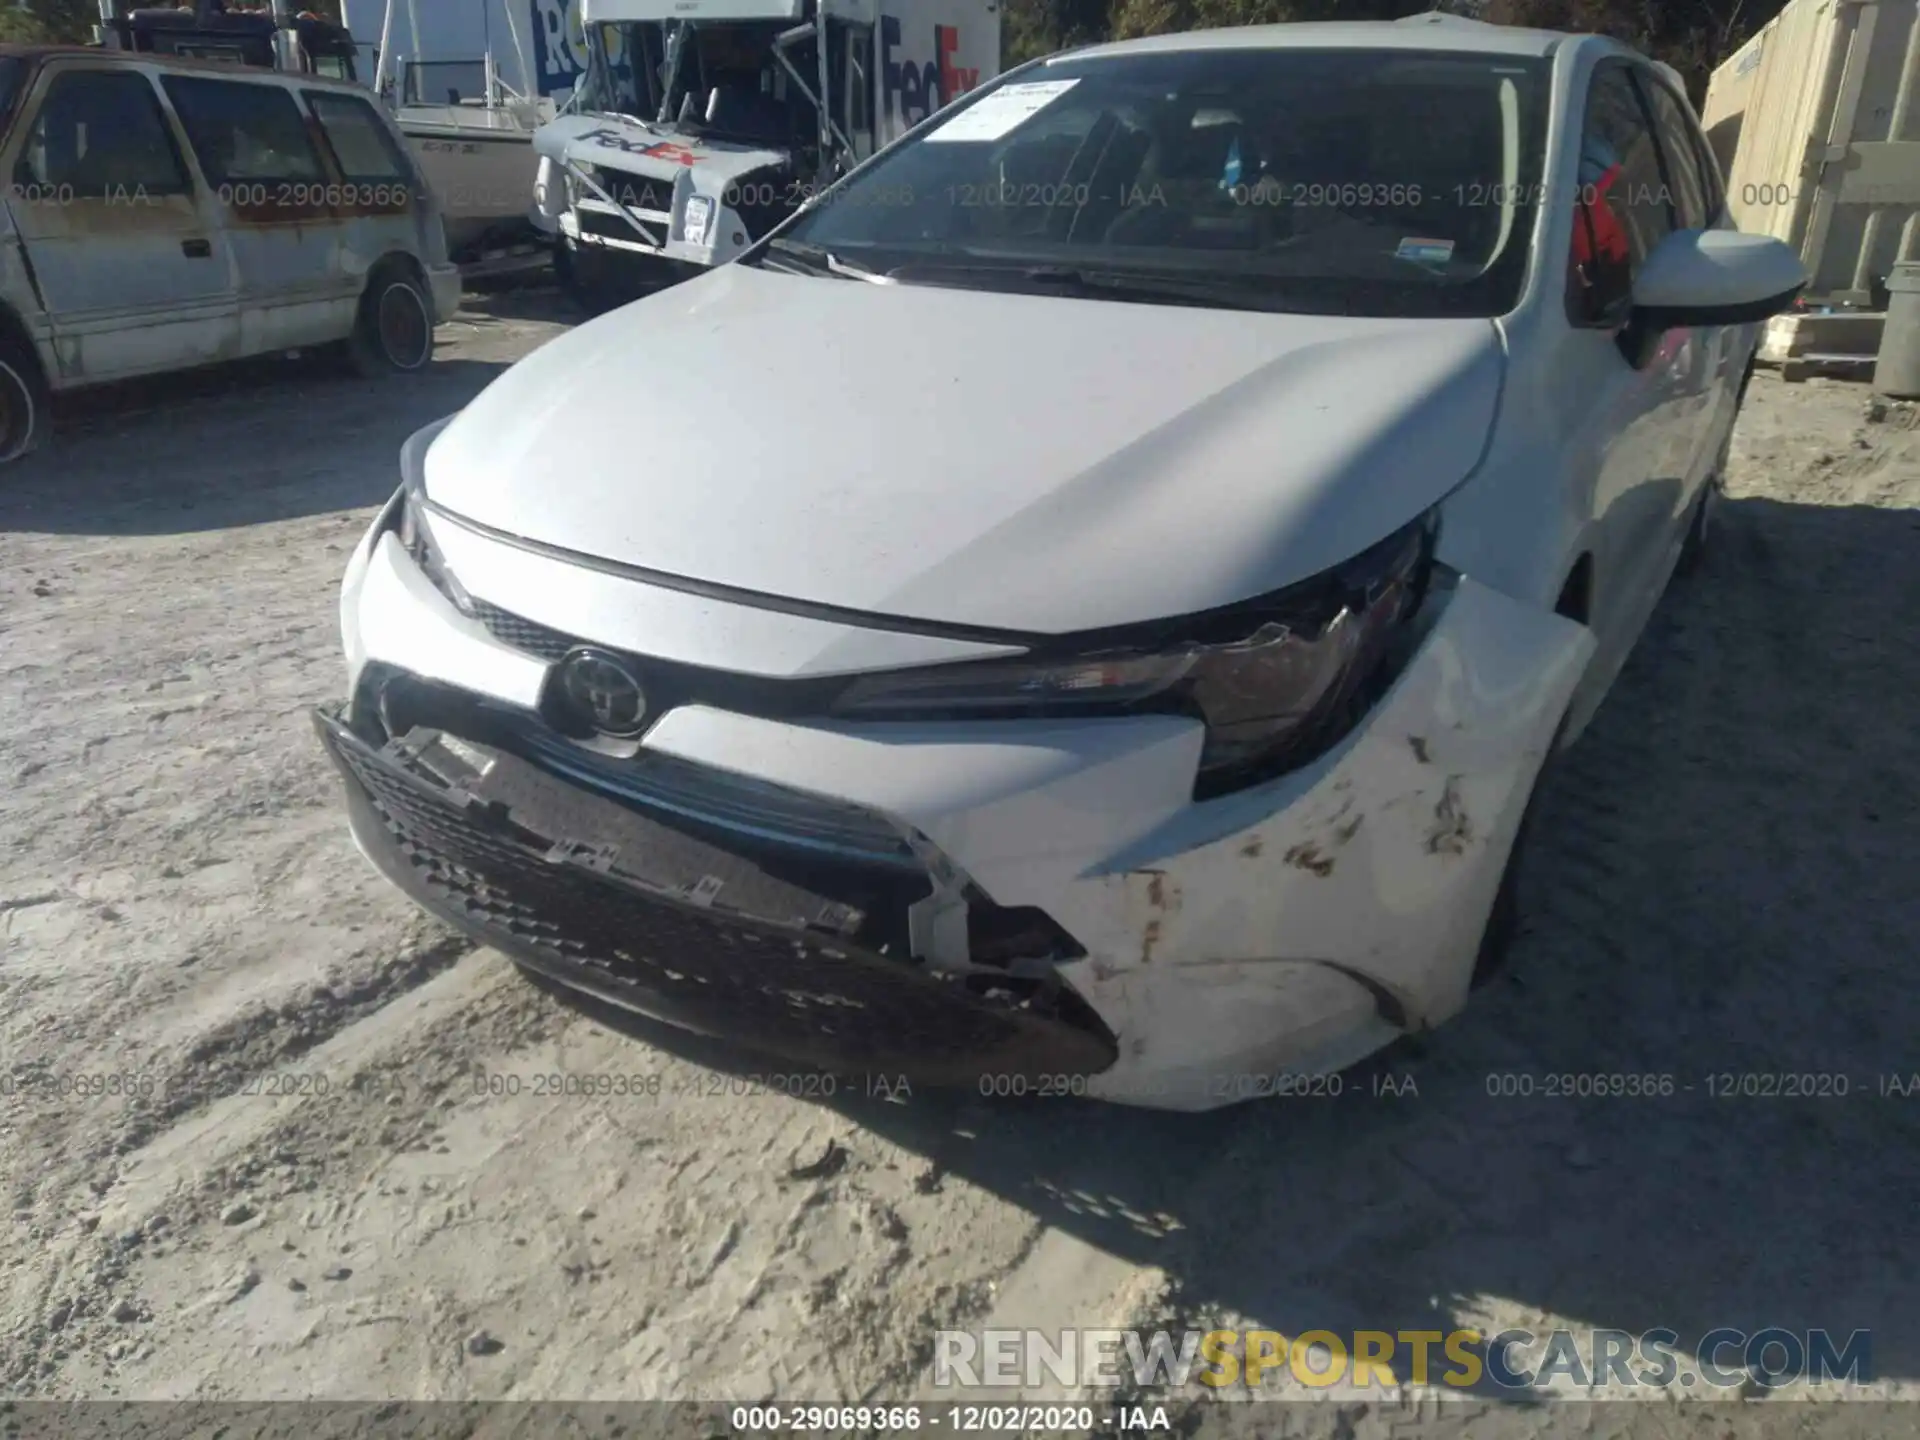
(1276,680)
(415,526)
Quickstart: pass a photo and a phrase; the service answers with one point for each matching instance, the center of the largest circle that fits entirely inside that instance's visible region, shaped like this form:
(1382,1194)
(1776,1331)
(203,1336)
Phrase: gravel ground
(327,1184)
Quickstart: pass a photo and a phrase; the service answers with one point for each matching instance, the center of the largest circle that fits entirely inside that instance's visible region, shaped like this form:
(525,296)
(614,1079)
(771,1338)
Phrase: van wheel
(23,400)
(393,332)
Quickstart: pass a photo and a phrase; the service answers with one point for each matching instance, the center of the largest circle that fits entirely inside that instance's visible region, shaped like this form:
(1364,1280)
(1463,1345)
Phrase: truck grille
(797,990)
(636,192)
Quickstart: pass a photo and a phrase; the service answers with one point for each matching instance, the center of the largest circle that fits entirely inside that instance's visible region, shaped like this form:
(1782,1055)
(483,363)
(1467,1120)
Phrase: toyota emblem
(605,693)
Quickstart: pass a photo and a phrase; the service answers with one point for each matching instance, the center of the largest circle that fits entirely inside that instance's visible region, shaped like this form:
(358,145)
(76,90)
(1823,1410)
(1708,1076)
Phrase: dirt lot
(1726,886)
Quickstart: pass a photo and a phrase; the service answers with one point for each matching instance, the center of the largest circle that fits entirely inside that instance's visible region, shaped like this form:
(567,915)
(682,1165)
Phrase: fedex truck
(699,125)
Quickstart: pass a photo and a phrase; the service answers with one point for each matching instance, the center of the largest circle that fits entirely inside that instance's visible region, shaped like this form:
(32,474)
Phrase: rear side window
(100,134)
(361,144)
(1692,195)
(244,135)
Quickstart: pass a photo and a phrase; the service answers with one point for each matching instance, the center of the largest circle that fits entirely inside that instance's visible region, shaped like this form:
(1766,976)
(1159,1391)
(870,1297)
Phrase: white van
(162,213)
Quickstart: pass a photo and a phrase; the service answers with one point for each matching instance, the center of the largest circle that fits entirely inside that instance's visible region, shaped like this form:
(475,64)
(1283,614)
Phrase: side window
(100,134)
(1691,193)
(859,78)
(245,135)
(362,145)
(1623,205)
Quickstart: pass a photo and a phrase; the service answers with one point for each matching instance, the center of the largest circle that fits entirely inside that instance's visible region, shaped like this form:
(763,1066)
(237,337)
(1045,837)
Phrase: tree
(45,22)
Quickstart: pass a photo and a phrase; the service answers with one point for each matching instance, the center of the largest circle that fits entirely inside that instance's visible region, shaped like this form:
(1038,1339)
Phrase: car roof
(1433,31)
(187,63)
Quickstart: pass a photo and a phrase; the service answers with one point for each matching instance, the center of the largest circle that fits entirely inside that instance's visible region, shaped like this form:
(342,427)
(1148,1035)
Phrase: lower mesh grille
(523,634)
(783,988)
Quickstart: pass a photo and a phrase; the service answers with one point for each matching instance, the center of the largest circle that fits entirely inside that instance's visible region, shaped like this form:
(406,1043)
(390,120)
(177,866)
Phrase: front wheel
(1509,902)
(23,400)
(1693,548)
(393,331)
(589,297)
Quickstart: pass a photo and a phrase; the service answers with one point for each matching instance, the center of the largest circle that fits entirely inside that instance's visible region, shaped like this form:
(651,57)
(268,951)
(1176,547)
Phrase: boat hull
(483,179)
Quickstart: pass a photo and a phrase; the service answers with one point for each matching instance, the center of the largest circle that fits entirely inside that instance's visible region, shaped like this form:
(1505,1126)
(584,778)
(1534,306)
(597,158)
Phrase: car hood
(1018,462)
(655,151)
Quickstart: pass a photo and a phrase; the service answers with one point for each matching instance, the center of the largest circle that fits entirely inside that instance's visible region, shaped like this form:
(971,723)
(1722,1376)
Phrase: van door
(129,260)
(381,206)
(252,142)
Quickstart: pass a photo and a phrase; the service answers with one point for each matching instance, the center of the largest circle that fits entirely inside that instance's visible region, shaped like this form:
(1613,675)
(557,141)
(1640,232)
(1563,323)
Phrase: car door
(253,145)
(1718,354)
(128,260)
(1634,402)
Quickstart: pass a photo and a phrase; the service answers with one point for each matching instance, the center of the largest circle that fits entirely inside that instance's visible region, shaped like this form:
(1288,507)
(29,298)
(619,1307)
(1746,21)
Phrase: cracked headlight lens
(1276,680)
(415,523)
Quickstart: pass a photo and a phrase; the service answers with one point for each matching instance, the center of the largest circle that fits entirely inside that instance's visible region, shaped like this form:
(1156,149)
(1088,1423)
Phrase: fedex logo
(914,91)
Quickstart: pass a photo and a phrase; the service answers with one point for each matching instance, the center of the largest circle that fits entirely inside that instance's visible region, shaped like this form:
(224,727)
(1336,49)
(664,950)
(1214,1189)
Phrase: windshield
(13,70)
(1372,182)
(728,84)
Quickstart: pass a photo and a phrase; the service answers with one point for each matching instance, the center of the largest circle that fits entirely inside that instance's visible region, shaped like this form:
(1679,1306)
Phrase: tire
(587,297)
(1693,549)
(1509,901)
(393,331)
(24,398)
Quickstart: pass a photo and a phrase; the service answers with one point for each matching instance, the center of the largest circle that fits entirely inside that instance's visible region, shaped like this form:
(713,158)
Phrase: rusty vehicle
(276,39)
(164,212)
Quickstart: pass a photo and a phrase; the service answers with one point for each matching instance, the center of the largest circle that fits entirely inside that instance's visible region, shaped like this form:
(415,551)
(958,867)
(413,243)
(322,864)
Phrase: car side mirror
(1715,277)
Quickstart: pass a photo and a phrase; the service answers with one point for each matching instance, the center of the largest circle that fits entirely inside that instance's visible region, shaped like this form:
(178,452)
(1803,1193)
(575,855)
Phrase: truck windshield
(730,85)
(1366,182)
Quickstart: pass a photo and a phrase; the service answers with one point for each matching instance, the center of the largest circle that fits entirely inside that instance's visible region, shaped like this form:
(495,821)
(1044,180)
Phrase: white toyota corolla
(1085,606)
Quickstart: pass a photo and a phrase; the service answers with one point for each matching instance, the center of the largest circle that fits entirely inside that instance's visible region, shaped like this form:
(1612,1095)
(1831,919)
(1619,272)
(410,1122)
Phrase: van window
(100,134)
(360,142)
(244,133)
(13,70)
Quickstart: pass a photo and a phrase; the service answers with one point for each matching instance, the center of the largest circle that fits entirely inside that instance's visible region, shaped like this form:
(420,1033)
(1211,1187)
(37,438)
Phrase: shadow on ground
(1723,889)
(235,446)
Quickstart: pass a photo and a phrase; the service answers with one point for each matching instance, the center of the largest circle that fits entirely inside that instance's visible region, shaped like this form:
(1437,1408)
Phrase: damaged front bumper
(1056,904)
(617,903)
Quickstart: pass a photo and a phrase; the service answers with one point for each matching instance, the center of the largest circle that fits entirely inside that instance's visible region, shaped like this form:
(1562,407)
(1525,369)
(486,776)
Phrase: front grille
(636,192)
(739,804)
(593,917)
(523,634)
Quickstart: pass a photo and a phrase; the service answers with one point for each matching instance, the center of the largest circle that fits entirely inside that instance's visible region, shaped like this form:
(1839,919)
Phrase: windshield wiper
(1239,292)
(825,262)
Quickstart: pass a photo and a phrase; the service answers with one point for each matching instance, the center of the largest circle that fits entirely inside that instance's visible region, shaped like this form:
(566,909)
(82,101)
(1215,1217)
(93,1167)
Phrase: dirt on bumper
(643,915)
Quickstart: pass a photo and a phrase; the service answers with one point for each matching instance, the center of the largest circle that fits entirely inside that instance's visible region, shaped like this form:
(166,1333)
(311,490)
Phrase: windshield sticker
(1002,112)
(1230,175)
(1425,252)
